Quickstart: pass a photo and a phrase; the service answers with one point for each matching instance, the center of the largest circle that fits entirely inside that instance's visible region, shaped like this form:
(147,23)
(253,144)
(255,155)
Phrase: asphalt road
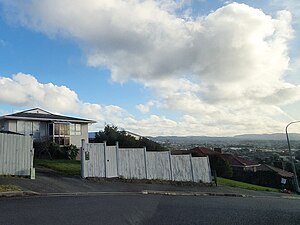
(148,209)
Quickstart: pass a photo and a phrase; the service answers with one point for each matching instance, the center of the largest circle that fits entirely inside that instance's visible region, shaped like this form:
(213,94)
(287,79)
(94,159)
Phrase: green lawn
(71,167)
(9,188)
(232,183)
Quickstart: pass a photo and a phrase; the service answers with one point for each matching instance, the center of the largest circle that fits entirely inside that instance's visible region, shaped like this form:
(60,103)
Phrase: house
(135,136)
(237,163)
(43,125)
(280,172)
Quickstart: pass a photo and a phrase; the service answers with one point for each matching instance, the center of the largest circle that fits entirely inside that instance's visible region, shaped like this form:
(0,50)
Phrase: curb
(18,194)
(172,193)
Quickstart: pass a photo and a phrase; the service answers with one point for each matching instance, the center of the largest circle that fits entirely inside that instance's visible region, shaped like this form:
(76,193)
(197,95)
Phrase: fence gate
(111,161)
(16,155)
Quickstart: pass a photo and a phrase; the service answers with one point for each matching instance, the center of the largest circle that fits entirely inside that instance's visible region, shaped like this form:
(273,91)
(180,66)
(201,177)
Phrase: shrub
(70,151)
(221,166)
(52,150)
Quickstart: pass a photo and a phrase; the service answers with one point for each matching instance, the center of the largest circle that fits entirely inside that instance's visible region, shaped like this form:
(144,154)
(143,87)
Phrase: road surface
(148,209)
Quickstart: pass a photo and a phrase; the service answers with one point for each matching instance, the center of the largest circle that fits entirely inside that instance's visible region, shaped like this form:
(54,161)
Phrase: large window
(61,129)
(75,129)
(60,133)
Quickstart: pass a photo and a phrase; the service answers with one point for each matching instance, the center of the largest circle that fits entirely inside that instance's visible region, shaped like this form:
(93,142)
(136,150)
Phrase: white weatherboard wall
(132,163)
(158,165)
(181,168)
(99,160)
(201,169)
(16,155)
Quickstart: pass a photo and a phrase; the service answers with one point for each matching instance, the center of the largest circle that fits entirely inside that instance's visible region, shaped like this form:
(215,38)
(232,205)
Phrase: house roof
(238,161)
(180,152)
(280,172)
(204,151)
(38,114)
(231,159)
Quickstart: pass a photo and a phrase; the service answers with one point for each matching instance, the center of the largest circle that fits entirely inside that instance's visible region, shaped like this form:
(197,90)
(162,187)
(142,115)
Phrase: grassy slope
(71,167)
(8,188)
(238,184)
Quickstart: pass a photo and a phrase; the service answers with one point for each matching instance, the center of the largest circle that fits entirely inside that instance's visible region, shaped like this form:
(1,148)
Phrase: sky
(154,67)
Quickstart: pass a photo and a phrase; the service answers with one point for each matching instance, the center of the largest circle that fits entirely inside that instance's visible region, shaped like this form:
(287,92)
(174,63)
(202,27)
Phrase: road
(148,209)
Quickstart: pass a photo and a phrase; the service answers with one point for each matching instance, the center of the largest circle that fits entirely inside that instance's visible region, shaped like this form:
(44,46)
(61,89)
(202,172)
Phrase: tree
(221,166)
(111,134)
(297,155)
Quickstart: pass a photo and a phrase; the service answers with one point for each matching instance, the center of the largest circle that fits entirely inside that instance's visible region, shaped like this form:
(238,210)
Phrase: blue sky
(164,67)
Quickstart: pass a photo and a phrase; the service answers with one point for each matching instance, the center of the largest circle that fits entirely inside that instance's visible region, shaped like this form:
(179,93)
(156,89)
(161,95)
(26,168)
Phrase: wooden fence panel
(16,155)
(137,163)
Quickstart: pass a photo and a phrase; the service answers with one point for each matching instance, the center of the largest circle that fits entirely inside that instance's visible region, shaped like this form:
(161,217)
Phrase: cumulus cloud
(142,41)
(225,69)
(24,90)
(145,108)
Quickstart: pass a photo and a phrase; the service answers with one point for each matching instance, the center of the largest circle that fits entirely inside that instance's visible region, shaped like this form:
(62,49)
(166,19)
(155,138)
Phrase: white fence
(99,160)
(16,155)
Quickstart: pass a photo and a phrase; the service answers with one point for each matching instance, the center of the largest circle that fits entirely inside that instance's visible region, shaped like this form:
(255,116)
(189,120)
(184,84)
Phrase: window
(62,140)
(2,126)
(75,129)
(60,133)
(51,129)
(61,129)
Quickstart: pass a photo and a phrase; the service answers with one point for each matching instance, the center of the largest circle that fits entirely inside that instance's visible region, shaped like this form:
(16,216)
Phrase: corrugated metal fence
(99,160)
(16,155)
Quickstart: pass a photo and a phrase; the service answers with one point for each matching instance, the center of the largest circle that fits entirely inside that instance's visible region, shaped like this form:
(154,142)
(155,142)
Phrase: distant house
(43,125)
(237,163)
(281,173)
(135,136)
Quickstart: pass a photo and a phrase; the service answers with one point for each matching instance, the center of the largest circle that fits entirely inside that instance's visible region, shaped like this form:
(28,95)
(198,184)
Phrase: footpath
(49,182)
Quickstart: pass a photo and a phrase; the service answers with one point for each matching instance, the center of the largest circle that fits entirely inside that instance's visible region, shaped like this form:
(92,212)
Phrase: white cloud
(145,108)
(290,5)
(24,90)
(225,72)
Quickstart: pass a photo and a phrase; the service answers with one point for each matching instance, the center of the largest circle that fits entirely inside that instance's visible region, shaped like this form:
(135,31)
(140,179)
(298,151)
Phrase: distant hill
(250,137)
(275,136)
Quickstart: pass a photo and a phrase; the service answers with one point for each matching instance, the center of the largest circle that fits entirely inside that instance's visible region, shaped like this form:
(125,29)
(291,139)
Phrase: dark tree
(111,134)
(221,166)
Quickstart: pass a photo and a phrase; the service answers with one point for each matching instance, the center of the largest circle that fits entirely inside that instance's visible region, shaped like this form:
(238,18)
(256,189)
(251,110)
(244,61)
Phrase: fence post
(32,170)
(82,158)
(145,159)
(117,157)
(105,166)
(171,167)
(209,169)
(192,171)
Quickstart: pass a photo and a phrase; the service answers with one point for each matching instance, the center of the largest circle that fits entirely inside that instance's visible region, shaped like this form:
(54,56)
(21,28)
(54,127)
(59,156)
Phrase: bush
(49,149)
(70,151)
(221,166)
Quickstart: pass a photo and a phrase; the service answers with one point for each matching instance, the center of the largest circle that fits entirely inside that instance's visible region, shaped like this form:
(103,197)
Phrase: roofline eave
(47,119)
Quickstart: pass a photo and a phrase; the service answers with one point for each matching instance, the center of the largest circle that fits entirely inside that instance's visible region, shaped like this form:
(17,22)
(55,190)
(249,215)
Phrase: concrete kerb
(144,192)
(18,194)
(179,193)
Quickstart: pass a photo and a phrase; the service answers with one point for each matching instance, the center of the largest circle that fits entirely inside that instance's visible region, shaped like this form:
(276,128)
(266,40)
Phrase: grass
(71,167)
(232,183)
(9,188)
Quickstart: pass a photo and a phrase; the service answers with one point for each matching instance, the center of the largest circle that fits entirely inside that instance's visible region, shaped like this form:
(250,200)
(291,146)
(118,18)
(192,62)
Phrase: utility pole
(296,184)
